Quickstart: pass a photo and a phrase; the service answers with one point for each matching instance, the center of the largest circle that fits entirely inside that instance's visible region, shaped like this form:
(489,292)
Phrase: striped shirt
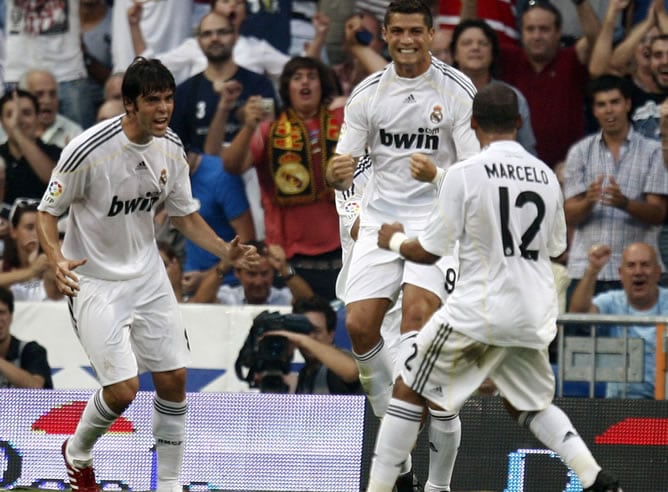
(639,171)
(396,117)
(376,7)
(112,188)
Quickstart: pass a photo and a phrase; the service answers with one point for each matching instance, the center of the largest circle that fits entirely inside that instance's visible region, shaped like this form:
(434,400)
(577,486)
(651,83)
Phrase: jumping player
(415,111)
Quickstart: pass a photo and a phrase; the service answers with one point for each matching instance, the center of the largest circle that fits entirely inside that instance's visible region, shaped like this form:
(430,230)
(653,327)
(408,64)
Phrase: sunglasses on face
(22,203)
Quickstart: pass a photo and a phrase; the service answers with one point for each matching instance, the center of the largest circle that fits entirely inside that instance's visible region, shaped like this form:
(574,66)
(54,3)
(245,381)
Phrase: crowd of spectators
(259,103)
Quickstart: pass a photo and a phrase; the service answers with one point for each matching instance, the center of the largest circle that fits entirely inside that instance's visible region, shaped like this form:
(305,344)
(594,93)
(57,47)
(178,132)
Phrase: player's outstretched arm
(195,228)
(242,255)
(392,237)
(47,230)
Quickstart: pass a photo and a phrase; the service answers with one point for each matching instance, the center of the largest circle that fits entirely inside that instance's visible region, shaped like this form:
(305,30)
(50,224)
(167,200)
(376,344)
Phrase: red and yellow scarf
(291,159)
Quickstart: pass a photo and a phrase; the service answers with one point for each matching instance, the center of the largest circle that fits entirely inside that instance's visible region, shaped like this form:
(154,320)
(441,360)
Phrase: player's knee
(119,395)
(170,385)
(362,335)
(415,316)
(404,392)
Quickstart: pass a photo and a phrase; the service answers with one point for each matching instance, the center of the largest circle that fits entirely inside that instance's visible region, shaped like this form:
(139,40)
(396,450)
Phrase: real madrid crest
(436,115)
(291,177)
(163,177)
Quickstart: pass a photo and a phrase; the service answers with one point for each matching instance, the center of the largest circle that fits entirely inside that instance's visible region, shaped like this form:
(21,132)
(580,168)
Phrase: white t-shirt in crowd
(164,25)
(187,59)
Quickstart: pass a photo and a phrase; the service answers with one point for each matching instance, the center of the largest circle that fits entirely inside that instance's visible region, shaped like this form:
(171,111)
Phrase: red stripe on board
(636,432)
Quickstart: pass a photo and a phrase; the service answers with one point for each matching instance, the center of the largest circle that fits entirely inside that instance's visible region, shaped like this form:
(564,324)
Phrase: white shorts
(130,326)
(377,273)
(446,367)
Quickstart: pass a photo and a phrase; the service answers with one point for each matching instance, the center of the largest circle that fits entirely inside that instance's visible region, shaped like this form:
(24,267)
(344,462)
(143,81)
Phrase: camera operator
(256,284)
(327,369)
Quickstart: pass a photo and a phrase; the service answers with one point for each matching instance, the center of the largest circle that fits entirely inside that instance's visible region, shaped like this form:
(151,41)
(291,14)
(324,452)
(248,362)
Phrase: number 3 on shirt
(529,234)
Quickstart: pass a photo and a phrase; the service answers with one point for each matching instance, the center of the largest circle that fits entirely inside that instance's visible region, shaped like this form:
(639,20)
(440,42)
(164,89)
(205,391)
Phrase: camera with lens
(268,358)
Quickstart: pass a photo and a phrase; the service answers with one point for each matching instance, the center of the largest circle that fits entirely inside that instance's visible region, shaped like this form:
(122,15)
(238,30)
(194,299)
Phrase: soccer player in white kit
(348,205)
(505,208)
(417,109)
(123,309)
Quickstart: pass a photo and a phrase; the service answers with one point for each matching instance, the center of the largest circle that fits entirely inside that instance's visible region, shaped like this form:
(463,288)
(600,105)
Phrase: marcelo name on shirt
(517,172)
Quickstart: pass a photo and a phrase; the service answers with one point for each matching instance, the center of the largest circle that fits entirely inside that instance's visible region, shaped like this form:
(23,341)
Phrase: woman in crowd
(25,269)
(475,49)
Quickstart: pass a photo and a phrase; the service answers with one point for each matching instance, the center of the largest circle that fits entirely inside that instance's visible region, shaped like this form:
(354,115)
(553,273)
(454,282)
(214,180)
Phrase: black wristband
(577,3)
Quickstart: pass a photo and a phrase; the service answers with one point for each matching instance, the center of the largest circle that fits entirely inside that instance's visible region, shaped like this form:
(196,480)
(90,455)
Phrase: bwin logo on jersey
(139,204)
(426,138)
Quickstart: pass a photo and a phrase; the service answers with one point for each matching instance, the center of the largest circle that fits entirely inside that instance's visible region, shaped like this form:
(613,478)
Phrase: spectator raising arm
(601,57)
(581,299)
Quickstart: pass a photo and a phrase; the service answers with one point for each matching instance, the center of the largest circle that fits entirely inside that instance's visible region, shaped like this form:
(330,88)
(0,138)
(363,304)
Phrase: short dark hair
(606,83)
(144,77)
(495,108)
(9,95)
(260,246)
(409,7)
(319,305)
(487,31)
(545,5)
(7,298)
(659,37)
(327,78)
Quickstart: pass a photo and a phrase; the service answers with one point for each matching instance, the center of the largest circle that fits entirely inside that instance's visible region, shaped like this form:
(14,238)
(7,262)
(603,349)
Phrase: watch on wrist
(290,273)
(577,3)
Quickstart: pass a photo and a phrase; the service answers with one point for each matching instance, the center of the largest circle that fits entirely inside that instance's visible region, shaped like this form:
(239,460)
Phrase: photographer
(327,369)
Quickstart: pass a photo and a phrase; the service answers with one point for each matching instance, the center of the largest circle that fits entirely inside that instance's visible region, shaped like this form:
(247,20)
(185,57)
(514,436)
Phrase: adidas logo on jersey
(437,390)
(410,99)
(426,138)
(139,204)
(141,166)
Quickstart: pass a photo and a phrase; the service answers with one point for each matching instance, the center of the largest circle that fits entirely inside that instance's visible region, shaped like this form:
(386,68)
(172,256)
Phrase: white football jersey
(113,187)
(395,117)
(506,209)
(348,205)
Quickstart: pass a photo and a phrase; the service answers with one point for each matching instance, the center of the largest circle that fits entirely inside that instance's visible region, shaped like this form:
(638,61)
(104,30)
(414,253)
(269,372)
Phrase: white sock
(553,428)
(169,430)
(406,466)
(445,435)
(96,419)
(375,368)
(396,438)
